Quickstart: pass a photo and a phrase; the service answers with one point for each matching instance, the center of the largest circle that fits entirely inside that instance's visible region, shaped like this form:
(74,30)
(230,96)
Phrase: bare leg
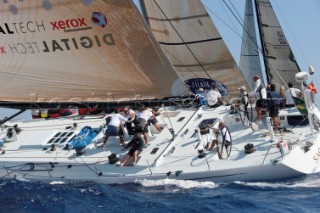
(135,157)
(124,161)
(259,114)
(158,127)
(275,121)
(145,136)
(105,140)
(121,140)
(219,154)
(213,143)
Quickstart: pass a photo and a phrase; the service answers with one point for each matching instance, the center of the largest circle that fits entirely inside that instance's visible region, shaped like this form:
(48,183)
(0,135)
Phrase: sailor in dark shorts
(274,105)
(136,145)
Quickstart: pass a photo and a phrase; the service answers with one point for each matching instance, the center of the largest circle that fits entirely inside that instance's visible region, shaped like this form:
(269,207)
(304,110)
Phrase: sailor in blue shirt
(201,96)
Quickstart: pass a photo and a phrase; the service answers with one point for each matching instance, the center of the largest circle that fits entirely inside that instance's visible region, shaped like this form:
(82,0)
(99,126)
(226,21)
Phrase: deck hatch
(59,138)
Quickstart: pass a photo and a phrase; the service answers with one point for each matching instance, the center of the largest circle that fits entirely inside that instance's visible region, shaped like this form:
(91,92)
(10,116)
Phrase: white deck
(26,158)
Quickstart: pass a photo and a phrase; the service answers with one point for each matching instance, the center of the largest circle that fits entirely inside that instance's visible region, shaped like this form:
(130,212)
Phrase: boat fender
(113,158)
(177,173)
(53,148)
(233,110)
(202,154)
(31,166)
(80,151)
(204,129)
(249,148)
(16,128)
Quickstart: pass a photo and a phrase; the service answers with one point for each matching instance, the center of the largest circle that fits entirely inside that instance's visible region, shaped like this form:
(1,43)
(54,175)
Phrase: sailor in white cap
(224,135)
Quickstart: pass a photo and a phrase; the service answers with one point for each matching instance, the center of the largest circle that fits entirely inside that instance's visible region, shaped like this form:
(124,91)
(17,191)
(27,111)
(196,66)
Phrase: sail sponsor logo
(2,50)
(59,45)
(195,83)
(70,25)
(316,157)
(22,27)
(281,38)
(99,19)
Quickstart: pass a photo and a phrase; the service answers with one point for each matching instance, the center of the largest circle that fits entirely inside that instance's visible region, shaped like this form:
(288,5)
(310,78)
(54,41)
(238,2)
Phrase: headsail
(98,50)
(191,41)
(250,60)
(278,57)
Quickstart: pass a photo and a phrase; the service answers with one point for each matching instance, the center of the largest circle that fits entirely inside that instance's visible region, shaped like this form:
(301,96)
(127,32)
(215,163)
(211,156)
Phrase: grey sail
(279,60)
(191,41)
(75,51)
(250,64)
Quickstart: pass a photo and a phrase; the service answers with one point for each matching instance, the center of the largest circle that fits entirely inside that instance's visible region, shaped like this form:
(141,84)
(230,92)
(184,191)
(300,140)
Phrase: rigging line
(168,119)
(225,23)
(250,36)
(156,48)
(173,56)
(183,40)
(87,165)
(11,171)
(226,12)
(234,8)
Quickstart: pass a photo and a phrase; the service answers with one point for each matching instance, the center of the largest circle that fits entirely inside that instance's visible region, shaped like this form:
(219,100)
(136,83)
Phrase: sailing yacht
(104,54)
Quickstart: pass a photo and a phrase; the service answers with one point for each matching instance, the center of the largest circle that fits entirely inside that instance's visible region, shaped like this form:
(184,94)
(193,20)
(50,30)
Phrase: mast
(144,11)
(250,63)
(281,65)
(267,69)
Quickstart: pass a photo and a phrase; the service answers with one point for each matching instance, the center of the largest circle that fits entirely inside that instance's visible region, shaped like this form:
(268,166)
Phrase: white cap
(243,88)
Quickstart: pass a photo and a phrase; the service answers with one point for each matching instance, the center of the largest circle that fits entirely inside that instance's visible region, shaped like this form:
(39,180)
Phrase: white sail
(278,57)
(98,50)
(191,41)
(250,59)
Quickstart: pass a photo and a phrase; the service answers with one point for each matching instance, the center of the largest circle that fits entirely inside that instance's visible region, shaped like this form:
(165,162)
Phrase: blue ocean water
(300,195)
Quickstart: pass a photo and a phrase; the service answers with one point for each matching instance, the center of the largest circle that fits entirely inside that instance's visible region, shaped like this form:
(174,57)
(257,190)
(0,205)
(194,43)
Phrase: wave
(312,181)
(183,184)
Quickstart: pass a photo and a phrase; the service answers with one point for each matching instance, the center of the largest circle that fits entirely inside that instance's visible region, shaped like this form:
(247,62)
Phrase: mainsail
(250,59)
(278,57)
(60,51)
(191,41)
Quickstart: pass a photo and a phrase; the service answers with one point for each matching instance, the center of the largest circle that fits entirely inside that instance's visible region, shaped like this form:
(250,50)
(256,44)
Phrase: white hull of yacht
(26,158)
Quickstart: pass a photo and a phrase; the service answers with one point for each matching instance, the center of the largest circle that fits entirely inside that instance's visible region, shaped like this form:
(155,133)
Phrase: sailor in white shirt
(223,135)
(213,97)
(114,127)
(143,116)
(291,92)
(146,117)
(130,115)
(260,93)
